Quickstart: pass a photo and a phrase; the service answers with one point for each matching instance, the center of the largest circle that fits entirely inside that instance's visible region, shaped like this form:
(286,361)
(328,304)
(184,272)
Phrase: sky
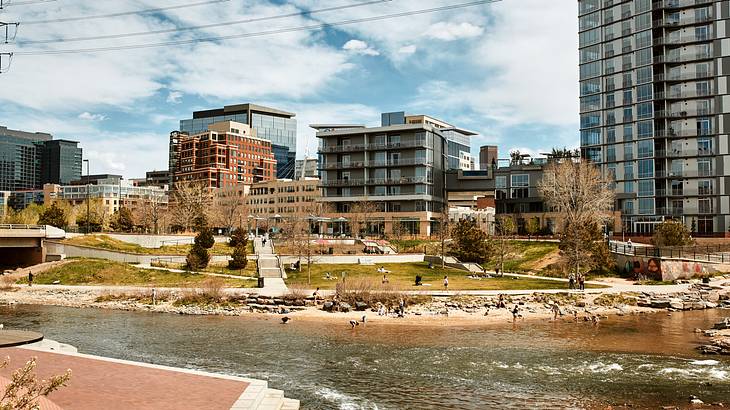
(507,70)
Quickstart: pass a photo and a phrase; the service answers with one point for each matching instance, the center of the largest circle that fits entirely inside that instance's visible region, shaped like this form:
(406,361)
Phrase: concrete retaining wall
(667,269)
(157,241)
(75,251)
(355,259)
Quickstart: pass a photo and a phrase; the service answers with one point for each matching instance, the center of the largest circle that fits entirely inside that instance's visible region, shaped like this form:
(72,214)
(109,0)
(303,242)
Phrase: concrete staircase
(259,397)
(268,262)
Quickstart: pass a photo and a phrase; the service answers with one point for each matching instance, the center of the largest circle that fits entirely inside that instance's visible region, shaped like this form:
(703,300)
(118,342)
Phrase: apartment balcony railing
(682,21)
(397,145)
(683,153)
(680,58)
(343,182)
(679,95)
(386,163)
(676,4)
(398,181)
(684,113)
(679,211)
(678,133)
(342,148)
(683,76)
(681,39)
(681,193)
(687,173)
(343,165)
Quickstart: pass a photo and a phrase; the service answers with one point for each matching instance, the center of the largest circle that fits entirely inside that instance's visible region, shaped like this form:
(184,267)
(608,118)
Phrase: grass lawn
(102,272)
(403,276)
(250,269)
(109,243)
(523,256)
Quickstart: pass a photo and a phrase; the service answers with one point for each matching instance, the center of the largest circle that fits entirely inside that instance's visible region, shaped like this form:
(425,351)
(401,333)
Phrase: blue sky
(506,70)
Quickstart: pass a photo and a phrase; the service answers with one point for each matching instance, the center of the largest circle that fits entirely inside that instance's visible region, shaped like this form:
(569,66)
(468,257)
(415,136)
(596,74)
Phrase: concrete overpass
(24,245)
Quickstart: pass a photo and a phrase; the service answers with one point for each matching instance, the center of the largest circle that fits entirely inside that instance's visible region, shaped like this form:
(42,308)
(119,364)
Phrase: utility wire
(259,33)
(8,3)
(125,13)
(213,25)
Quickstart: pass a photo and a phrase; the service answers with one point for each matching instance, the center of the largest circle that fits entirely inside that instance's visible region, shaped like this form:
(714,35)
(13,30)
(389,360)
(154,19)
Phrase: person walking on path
(30,278)
(154,296)
(571,281)
(446,282)
(582,281)
(401,308)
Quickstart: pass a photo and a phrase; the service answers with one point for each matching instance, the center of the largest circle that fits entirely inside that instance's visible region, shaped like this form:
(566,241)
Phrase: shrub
(238,237)
(372,292)
(210,292)
(198,258)
(239,260)
(671,233)
(25,389)
(204,238)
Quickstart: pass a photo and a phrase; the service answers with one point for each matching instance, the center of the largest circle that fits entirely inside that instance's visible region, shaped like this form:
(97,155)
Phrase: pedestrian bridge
(24,245)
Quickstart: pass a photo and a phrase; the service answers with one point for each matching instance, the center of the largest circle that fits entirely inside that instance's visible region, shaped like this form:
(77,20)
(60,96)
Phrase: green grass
(112,244)
(522,256)
(250,269)
(416,246)
(102,272)
(403,276)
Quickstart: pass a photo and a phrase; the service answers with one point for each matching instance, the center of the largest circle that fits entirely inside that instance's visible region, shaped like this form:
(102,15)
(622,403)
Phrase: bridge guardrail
(711,254)
(22,226)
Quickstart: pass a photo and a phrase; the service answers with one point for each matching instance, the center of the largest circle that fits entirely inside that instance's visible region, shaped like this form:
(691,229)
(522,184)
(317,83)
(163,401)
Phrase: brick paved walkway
(98,383)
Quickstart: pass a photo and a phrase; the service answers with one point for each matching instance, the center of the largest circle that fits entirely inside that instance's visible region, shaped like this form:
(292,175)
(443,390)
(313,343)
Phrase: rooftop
(240,109)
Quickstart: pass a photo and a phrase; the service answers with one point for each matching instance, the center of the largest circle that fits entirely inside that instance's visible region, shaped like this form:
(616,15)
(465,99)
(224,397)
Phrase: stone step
(273,400)
(290,404)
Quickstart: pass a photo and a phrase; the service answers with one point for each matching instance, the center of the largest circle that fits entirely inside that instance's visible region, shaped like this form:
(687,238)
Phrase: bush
(671,233)
(210,292)
(205,239)
(238,237)
(198,258)
(239,260)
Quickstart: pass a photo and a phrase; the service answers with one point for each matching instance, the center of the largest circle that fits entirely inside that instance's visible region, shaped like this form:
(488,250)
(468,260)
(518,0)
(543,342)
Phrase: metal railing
(678,58)
(683,76)
(712,254)
(22,226)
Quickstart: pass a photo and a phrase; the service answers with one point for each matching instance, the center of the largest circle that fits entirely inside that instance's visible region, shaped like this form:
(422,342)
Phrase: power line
(213,25)
(125,13)
(8,3)
(260,33)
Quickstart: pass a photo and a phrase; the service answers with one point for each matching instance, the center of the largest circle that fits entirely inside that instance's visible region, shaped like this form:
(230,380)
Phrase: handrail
(22,226)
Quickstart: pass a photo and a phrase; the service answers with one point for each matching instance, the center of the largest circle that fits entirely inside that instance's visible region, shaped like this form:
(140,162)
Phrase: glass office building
(279,127)
(653,108)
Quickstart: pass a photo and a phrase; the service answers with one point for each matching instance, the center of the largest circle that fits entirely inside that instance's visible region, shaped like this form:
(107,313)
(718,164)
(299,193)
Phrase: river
(644,361)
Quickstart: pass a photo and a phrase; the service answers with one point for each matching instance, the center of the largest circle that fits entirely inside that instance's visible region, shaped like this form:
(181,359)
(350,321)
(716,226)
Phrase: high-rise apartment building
(228,153)
(392,175)
(654,108)
(277,126)
(29,160)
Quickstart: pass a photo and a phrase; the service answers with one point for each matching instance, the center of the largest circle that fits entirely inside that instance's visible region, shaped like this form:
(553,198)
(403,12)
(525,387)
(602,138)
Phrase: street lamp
(88,196)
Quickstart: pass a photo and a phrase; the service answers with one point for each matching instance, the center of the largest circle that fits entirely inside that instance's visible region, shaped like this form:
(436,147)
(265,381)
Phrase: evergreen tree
(54,216)
(238,237)
(470,242)
(123,220)
(199,257)
(239,260)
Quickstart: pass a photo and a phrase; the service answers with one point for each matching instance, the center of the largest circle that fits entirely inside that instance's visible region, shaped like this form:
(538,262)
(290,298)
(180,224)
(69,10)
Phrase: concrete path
(269,268)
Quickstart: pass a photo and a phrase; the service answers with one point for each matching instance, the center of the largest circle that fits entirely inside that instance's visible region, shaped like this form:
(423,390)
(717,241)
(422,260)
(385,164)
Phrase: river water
(644,361)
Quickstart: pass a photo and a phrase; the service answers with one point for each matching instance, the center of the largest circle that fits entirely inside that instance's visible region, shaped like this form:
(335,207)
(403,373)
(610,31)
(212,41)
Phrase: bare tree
(189,201)
(444,233)
(229,209)
(24,389)
(362,213)
(505,227)
(584,197)
(151,214)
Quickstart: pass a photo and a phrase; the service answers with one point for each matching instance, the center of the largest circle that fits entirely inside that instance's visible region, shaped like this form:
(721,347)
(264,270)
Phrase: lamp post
(88,196)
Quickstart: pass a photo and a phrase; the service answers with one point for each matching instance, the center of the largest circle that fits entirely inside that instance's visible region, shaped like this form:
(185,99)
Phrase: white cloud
(409,49)
(174,97)
(360,47)
(87,116)
(447,31)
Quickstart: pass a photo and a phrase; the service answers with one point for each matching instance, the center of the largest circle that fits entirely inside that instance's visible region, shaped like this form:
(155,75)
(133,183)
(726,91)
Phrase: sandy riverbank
(439,311)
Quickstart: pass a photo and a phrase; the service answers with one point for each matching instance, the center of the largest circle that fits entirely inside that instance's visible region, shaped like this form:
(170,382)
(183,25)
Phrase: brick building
(229,153)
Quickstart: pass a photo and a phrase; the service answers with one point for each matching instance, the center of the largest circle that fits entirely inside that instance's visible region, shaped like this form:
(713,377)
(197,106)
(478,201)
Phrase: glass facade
(647,83)
(280,129)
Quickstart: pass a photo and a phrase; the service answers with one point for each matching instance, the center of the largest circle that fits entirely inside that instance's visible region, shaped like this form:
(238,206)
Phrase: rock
(723,324)
(278,301)
(659,303)
(676,305)
(360,306)
(328,306)
(695,400)
(345,307)
(580,303)
(643,303)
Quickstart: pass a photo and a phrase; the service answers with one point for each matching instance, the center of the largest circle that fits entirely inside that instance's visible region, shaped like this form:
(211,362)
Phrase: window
(646,168)
(394,190)
(590,137)
(628,97)
(590,103)
(500,181)
(646,187)
(643,39)
(589,37)
(610,135)
(520,180)
(591,86)
(643,75)
(645,129)
(611,153)
(589,54)
(705,187)
(626,78)
(590,70)
(646,206)
(629,171)
(704,167)
(628,114)
(628,152)
(586,6)
(628,206)
(704,146)
(610,101)
(642,21)
(590,120)
(644,110)
(628,132)
(646,149)
(644,92)
(629,187)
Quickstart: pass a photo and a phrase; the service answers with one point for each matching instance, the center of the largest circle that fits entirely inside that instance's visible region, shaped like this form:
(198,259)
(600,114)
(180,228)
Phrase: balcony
(342,148)
(680,58)
(683,76)
(385,163)
(689,20)
(687,173)
(398,181)
(680,95)
(684,153)
(344,165)
(681,40)
(343,182)
(398,145)
(679,133)
(685,113)
(678,4)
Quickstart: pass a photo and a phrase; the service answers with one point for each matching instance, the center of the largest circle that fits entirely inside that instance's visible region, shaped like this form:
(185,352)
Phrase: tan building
(283,198)
(110,196)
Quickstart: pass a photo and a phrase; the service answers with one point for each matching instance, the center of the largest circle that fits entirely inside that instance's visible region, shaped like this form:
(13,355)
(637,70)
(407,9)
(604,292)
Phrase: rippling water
(646,361)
